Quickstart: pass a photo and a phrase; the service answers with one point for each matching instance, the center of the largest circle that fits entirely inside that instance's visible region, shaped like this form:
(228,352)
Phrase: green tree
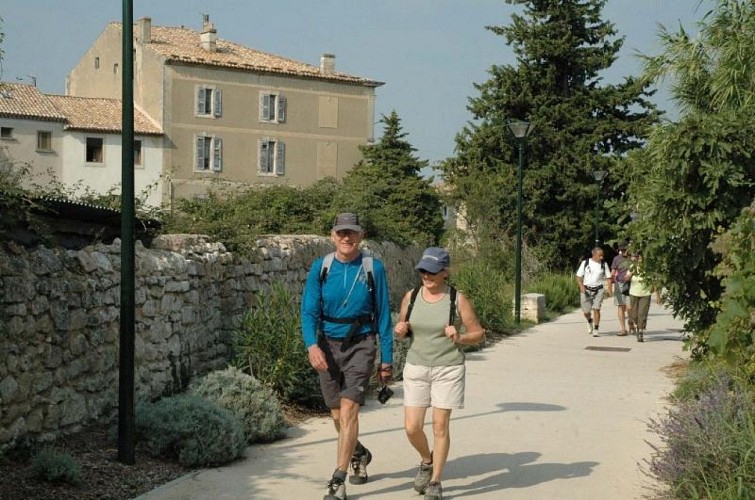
(697,174)
(580,124)
(386,189)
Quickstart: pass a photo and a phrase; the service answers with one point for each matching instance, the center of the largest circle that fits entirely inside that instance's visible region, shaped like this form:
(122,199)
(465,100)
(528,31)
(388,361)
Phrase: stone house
(230,112)
(76,141)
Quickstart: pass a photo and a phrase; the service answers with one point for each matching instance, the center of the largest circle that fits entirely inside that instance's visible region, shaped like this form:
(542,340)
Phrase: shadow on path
(494,471)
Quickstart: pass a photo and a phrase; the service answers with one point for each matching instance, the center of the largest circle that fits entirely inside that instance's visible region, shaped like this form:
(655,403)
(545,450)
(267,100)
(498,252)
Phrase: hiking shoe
(359,465)
(640,335)
(423,477)
(589,328)
(336,490)
(595,332)
(434,491)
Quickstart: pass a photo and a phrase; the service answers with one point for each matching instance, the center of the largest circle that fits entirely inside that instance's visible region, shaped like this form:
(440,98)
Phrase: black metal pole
(518,262)
(126,424)
(597,216)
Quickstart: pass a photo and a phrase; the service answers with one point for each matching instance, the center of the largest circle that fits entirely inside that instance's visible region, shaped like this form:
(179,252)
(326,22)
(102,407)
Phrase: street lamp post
(520,130)
(599,175)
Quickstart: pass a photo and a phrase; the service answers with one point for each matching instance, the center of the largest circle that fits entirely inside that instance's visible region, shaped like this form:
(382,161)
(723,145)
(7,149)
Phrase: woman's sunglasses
(425,271)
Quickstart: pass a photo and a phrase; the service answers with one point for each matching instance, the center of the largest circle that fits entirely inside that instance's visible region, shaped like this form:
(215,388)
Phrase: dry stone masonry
(59,319)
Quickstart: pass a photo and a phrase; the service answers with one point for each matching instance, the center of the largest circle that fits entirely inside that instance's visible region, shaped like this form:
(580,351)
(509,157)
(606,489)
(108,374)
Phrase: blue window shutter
(218,104)
(200,100)
(217,160)
(262,157)
(200,153)
(281,109)
(280,158)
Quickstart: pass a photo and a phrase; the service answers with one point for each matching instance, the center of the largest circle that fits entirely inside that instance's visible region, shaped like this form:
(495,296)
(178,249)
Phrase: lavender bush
(708,444)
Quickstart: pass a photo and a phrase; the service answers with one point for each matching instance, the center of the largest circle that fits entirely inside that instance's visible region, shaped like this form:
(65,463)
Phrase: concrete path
(547,417)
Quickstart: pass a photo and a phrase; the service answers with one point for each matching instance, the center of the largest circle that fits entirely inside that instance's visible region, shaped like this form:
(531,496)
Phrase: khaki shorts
(348,372)
(619,299)
(436,386)
(591,300)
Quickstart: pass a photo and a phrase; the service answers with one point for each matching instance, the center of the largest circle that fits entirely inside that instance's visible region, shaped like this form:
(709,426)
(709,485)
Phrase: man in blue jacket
(344,308)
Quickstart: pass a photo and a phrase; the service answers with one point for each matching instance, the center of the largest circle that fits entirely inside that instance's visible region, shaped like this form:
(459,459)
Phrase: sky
(429,53)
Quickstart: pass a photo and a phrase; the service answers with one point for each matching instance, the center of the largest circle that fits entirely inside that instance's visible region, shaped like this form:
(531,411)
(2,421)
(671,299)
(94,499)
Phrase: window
(115,68)
(96,63)
(272,157)
(6,132)
(272,107)
(44,140)
(138,152)
(209,101)
(95,153)
(209,153)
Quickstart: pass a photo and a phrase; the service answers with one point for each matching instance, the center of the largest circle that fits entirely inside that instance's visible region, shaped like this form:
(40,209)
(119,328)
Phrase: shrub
(269,346)
(196,431)
(489,293)
(254,404)
(560,292)
(708,444)
(56,466)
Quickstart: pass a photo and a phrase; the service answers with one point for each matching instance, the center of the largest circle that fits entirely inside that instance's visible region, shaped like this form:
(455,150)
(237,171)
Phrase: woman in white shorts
(434,370)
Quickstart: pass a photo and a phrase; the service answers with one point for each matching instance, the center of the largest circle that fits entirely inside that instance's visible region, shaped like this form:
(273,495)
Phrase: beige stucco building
(231,112)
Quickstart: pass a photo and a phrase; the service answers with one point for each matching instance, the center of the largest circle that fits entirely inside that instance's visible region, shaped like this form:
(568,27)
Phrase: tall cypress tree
(387,190)
(581,125)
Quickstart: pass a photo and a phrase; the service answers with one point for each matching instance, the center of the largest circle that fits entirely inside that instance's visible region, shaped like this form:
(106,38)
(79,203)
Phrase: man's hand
(317,358)
(385,373)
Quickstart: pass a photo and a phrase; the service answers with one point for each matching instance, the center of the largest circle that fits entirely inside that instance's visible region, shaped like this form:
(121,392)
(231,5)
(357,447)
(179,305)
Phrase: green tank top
(430,346)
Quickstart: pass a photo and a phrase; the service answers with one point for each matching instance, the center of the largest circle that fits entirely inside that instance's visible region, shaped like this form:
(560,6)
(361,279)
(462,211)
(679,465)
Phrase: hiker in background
(639,297)
(344,307)
(619,268)
(594,281)
(432,316)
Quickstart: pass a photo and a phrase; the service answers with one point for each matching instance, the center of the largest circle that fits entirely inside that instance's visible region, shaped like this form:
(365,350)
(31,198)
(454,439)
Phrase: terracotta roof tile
(78,113)
(99,114)
(19,100)
(182,45)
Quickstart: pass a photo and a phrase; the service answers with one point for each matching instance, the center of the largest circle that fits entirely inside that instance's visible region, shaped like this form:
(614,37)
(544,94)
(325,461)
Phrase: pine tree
(386,189)
(581,125)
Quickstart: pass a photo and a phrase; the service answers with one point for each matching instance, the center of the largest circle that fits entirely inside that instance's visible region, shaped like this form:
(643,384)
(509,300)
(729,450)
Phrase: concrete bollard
(533,307)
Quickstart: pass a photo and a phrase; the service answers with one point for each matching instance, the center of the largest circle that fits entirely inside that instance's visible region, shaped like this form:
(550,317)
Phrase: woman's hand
(452,333)
(402,329)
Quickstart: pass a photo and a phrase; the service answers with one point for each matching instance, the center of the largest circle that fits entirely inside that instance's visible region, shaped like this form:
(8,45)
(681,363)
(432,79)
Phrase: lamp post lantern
(599,175)
(520,130)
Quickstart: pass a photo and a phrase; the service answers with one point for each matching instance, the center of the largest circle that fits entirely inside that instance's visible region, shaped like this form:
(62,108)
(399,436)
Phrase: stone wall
(59,319)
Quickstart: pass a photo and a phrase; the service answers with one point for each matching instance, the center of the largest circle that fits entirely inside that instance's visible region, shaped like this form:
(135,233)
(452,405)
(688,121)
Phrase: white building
(76,141)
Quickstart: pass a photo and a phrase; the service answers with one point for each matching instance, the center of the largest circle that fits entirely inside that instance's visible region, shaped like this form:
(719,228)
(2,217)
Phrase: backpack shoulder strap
(412,299)
(327,261)
(452,310)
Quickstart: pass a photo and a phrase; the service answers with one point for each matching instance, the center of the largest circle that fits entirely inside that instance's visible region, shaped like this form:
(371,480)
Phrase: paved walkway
(546,417)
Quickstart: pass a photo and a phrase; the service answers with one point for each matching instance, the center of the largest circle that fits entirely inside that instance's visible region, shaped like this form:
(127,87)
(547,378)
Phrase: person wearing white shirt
(594,281)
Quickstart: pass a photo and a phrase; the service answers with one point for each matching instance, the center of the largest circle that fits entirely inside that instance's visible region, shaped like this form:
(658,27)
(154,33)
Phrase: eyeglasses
(343,233)
(425,271)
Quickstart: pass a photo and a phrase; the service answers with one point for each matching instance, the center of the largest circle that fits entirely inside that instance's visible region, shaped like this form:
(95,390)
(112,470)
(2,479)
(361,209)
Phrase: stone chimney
(327,64)
(208,39)
(144,30)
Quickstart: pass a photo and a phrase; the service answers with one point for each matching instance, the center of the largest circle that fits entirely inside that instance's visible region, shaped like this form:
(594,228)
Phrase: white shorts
(436,386)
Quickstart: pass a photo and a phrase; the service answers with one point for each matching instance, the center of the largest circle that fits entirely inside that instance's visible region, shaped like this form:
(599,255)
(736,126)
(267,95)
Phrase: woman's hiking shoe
(423,477)
(336,490)
(359,465)
(434,491)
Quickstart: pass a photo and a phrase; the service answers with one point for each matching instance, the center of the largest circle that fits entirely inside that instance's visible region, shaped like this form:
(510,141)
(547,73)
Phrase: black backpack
(451,312)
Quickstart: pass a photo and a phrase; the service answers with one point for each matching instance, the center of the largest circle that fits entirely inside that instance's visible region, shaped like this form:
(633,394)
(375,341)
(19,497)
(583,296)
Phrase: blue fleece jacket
(345,295)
